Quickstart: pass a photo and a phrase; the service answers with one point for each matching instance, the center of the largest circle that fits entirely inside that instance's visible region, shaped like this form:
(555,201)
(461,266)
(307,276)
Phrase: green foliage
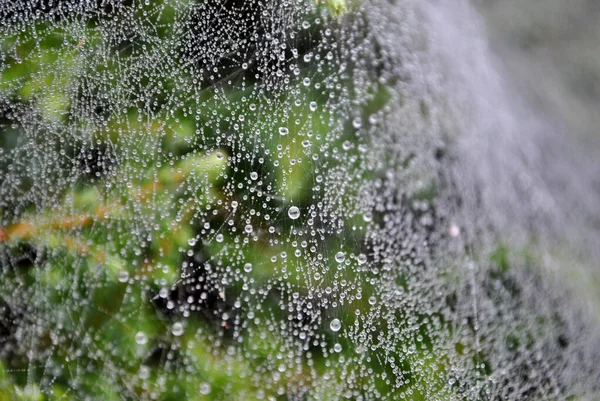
(158,168)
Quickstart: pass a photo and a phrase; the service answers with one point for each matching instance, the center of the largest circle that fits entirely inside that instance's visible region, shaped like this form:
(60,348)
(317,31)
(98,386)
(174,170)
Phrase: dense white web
(279,200)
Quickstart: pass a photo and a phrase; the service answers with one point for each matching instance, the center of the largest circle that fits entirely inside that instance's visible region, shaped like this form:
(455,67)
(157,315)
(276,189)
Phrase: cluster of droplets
(246,190)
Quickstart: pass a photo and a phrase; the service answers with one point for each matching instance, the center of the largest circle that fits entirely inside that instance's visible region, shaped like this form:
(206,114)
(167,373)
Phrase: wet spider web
(275,200)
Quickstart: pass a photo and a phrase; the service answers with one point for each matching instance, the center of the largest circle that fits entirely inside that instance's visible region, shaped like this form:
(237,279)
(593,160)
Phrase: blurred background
(551,49)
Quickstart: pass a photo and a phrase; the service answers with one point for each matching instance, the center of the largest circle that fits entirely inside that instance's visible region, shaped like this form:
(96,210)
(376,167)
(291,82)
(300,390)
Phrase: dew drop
(177,329)
(293,212)
(335,325)
(454,230)
(144,372)
(205,388)
(123,276)
(141,338)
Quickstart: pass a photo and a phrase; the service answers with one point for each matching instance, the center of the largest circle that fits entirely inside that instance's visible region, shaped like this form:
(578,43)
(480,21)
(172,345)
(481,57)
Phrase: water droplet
(312,106)
(177,329)
(248,267)
(283,131)
(293,212)
(254,175)
(192,241)
(340,257)
(337,347)
(123,276)
(454,230)
(372,300)
(144,372)
(205,388)
(335,325)
(141,338)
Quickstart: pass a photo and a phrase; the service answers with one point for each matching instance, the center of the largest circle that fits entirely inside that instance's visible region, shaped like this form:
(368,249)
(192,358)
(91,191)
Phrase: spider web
(269,200)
